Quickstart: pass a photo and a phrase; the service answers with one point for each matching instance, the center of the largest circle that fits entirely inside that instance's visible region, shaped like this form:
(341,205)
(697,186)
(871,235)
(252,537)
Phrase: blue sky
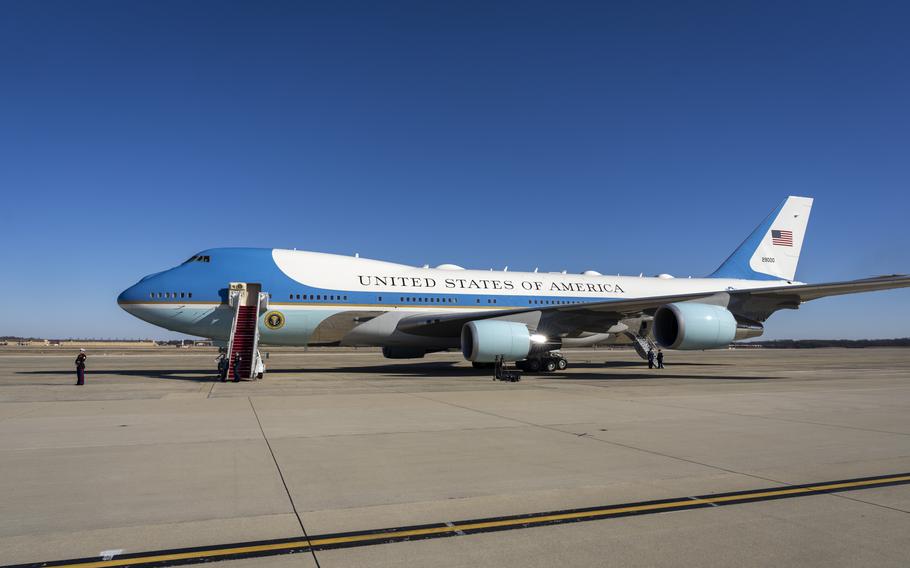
(621,137)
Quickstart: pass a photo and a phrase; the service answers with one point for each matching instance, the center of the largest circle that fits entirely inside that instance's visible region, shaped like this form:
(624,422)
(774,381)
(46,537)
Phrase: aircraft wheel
(551,365)
(562,364)
(533,365)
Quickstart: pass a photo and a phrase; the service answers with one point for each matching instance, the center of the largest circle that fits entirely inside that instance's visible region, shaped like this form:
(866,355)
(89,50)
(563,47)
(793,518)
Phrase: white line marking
(110,554)
(459,533)
(697,499)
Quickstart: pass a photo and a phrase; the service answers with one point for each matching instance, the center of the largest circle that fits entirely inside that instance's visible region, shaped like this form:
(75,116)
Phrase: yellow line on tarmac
(187,555)
(600,512)
(481,525)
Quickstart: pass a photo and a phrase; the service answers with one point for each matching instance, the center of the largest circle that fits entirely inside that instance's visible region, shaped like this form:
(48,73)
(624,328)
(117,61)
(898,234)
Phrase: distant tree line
(817,343)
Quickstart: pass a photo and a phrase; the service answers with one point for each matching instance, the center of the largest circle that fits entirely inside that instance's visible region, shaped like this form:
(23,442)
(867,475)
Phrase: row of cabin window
(316,297)
(169,295)
(402,299)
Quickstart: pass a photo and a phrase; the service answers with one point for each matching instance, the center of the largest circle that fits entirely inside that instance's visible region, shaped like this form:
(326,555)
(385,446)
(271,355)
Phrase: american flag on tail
(782,238)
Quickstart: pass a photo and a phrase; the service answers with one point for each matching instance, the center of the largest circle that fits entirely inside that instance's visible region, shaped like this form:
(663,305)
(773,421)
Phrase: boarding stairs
(244,339)
(642,345)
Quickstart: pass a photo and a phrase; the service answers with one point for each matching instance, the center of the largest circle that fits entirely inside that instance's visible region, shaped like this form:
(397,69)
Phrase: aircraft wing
(759,304)
(755,304)
(582,317)
(806,292)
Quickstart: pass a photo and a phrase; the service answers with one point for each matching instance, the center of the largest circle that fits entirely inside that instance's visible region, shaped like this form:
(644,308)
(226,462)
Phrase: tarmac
(345,459)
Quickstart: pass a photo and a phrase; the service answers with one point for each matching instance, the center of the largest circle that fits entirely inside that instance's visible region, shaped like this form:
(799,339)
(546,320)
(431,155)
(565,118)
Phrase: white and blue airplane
(309,298)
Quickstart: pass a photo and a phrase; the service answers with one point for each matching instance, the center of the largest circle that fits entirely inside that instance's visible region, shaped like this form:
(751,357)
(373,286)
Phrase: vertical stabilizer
(772,250)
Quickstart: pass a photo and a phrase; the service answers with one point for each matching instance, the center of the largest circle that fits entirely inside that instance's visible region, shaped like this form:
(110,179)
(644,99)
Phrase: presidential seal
(274,320)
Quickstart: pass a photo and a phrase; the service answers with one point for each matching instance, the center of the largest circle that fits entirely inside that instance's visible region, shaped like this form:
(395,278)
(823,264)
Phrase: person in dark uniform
(80,368)
(223,366)
(650,358)
(236,367)
(660,359)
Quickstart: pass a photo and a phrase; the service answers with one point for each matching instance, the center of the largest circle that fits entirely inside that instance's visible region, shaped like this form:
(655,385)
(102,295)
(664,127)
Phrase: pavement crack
(394,432)
(842,496)
(18,414)
(603,441)
(283,481)
(773,418)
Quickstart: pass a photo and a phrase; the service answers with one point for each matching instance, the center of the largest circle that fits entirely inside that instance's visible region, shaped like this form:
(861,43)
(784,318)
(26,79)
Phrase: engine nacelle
(482,341)
(691,325)
(397,352)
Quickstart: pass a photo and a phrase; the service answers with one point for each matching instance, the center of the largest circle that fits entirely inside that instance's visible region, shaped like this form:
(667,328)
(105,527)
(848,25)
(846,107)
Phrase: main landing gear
(546,363)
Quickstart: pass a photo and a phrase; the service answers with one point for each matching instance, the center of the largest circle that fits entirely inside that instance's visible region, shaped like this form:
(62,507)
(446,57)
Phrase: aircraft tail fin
(771,252)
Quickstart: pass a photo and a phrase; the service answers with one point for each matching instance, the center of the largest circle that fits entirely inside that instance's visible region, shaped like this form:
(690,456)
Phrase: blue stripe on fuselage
(208,282)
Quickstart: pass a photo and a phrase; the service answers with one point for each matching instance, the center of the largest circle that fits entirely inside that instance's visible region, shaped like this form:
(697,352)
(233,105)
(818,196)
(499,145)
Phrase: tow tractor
(503,373)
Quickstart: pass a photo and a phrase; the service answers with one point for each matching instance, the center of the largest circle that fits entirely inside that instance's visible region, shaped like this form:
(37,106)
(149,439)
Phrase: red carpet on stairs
(243,340)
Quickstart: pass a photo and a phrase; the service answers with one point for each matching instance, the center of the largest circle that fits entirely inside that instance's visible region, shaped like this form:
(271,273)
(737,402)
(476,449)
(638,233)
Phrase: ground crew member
(222,366)
(80,368)
(236,367)
(660,359)
(650,357)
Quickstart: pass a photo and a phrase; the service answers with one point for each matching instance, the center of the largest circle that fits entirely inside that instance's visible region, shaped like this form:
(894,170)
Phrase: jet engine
(691,325)
(482,341)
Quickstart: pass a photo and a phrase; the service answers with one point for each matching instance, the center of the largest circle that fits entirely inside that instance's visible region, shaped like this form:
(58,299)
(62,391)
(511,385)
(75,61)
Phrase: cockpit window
(198,258)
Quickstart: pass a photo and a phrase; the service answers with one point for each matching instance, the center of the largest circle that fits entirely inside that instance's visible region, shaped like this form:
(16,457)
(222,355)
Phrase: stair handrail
(255,335)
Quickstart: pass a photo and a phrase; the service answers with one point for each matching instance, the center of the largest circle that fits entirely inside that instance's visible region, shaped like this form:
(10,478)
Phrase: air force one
(241,297)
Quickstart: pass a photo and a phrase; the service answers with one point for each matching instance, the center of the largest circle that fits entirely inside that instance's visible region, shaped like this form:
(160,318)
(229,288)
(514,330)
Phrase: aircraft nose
(132,295)
(125,297)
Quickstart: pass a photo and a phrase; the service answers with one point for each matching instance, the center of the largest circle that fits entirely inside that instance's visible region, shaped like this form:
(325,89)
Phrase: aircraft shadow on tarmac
(199,375)
(654,375)
(645,374)
(443,369)
(637,364)
(427,370)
